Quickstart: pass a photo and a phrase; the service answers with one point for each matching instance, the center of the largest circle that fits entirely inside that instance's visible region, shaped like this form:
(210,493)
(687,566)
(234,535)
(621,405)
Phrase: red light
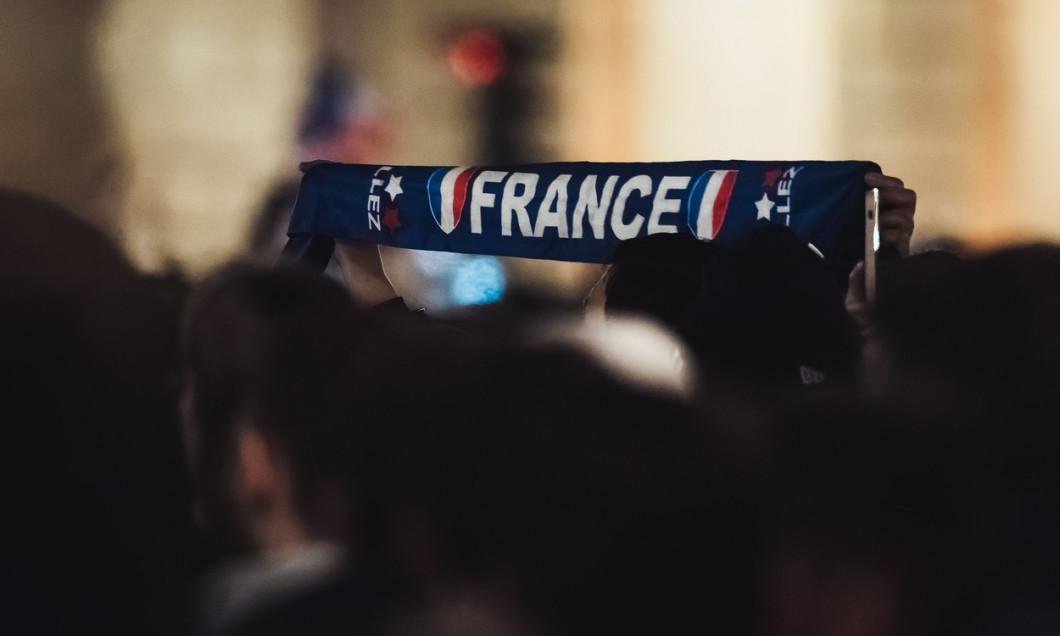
(477,57)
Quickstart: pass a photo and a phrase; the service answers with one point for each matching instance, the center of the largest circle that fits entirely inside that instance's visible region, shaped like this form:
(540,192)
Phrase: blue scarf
(577,211)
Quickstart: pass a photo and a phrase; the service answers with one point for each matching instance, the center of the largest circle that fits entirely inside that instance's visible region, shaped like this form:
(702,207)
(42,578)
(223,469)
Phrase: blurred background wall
(168,122)
(57,135)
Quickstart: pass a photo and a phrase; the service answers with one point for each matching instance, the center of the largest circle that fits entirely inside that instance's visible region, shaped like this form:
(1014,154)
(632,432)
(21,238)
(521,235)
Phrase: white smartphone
(872,241)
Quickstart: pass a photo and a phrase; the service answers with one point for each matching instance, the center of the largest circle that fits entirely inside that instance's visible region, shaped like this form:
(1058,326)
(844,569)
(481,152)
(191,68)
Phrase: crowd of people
(723,440)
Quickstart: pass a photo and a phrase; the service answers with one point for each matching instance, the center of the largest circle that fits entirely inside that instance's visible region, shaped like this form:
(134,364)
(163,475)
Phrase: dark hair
(767,309)
(988,329)
(657,275)
(47,248)
(283,345)
(875,491)
(100,536)
(608,509)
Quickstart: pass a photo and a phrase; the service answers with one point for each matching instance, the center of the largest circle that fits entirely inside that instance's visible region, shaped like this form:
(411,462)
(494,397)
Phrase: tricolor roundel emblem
(447,192)
(708,200)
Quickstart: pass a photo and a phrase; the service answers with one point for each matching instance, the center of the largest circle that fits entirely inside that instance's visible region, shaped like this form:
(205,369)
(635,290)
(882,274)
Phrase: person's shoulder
(344,605)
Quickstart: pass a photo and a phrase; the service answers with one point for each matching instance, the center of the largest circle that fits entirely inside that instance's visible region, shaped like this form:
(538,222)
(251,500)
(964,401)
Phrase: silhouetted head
(97,508)
(768,313)
(657,275)
(987,329)
(540,480)
(878,525)
(271,360)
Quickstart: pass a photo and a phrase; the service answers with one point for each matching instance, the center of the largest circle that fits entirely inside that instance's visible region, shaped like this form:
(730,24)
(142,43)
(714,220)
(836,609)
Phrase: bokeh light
(477,57)
(477,281)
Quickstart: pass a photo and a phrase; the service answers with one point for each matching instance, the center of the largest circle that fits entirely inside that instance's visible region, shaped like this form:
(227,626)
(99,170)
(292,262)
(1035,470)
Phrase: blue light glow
(477,281)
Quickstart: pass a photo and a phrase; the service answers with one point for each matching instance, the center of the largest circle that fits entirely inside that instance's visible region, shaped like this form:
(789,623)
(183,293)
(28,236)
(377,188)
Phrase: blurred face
(210,455)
